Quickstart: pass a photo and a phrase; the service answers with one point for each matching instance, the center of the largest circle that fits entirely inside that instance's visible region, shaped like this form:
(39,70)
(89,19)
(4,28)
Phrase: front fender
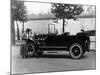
(25,41)
(23,47)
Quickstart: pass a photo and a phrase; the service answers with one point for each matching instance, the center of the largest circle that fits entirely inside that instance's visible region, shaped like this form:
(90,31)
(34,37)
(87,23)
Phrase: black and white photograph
(52,37)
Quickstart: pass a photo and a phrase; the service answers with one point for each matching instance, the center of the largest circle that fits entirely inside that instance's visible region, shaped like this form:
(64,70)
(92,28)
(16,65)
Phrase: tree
(19,13)
(66,11)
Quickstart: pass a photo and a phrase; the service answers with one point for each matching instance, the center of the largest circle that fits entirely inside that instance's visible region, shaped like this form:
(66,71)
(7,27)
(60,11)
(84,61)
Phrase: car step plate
(53,47)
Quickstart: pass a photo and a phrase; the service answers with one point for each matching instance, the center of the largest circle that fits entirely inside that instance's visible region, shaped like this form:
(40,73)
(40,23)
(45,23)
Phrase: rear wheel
(76,50)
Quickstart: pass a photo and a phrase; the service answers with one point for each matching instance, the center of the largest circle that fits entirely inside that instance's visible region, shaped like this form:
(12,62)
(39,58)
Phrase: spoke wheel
(76,51)
(30,49)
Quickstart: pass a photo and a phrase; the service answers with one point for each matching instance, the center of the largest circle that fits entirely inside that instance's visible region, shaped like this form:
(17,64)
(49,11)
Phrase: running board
(53,47)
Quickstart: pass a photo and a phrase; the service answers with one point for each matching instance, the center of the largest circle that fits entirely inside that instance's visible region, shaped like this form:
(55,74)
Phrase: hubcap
(76,51)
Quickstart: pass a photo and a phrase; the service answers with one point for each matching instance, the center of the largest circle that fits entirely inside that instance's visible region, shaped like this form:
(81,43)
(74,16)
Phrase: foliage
(68,11)
(19,11)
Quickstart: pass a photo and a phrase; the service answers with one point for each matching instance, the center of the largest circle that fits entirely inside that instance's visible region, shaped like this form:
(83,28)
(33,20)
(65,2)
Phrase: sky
(36,8)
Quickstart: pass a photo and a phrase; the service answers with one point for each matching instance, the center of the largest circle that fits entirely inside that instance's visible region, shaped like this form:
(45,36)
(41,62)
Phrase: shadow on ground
(56,56)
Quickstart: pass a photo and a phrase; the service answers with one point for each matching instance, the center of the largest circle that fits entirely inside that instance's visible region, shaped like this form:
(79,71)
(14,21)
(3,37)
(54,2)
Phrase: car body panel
(63,41)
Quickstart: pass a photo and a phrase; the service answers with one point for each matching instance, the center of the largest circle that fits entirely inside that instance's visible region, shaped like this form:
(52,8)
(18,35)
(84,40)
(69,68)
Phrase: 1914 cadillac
(76,45)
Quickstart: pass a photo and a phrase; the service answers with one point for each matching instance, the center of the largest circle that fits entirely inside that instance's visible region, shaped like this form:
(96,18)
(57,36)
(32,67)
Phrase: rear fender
(81,42)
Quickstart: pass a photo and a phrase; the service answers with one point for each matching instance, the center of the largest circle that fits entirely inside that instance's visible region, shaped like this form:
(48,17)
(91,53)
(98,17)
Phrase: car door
(55,40)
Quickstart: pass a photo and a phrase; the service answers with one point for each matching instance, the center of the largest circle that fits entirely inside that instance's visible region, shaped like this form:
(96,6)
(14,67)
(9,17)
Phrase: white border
(5,37)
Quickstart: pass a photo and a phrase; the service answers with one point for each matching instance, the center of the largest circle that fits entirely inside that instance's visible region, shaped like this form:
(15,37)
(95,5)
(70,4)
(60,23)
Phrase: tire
(76,51)
(30,49)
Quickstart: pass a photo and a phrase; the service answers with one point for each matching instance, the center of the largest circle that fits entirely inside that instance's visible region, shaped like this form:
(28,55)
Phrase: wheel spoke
(76,51)
(30,49)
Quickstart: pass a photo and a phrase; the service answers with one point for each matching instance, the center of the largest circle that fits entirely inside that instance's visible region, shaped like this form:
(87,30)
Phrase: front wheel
(76,50)
(30,49)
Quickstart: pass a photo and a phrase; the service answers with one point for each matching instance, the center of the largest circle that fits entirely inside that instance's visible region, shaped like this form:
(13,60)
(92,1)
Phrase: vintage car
(76,45)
